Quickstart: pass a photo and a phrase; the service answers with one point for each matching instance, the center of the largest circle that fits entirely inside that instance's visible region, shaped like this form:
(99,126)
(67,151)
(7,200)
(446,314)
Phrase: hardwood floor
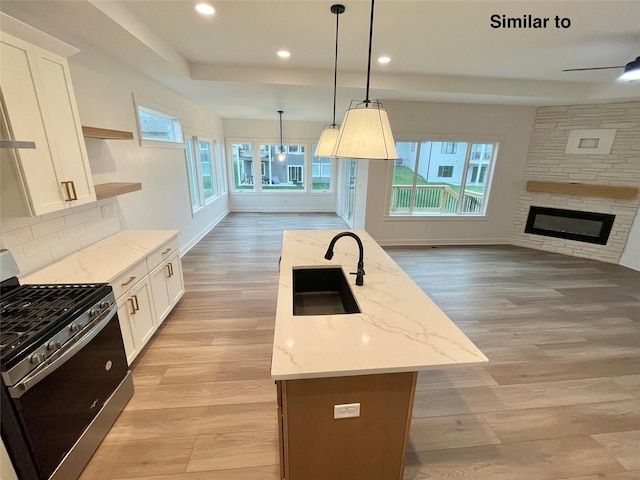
(559,400)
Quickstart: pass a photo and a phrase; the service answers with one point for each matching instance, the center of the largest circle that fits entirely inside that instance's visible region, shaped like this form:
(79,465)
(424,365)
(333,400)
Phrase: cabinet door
(161,300)
(167,286)
(175,282)
(63,123)
(40,106)
(124,315)
(136,307)
(20,82)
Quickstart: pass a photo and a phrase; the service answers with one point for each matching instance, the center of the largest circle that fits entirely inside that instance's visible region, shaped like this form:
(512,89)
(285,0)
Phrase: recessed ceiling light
(384,59)
(205,9)
(284,54)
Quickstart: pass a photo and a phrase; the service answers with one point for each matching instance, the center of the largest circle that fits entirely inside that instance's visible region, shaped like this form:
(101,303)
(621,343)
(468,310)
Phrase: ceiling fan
(631,70)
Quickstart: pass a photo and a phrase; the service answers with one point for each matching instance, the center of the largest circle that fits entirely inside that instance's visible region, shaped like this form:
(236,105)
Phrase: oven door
(57,404)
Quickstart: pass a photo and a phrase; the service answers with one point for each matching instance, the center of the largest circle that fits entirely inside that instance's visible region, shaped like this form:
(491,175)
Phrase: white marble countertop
(400,328)
(103,261)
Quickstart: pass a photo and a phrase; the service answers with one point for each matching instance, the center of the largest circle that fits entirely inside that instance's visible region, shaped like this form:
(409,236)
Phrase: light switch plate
(346,410)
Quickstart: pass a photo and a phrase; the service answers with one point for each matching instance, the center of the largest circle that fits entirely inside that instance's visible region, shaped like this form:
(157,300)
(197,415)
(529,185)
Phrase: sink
(322,291)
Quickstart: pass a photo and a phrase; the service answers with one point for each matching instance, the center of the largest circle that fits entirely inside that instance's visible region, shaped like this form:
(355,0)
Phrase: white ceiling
(441,50)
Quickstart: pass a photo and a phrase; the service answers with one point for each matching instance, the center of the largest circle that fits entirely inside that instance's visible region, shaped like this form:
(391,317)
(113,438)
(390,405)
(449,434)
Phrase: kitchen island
(346,382)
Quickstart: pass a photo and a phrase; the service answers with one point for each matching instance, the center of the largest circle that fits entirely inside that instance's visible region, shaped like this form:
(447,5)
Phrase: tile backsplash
(36,242)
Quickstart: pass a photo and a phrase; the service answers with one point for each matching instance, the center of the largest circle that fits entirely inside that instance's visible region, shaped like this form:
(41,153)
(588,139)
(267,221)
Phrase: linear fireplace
(587,227)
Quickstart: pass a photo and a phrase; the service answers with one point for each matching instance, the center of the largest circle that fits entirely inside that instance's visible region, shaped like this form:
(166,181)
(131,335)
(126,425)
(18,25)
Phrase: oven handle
(47,368)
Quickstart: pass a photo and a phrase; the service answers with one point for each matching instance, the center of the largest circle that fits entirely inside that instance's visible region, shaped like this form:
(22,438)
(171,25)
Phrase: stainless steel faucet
(329,255)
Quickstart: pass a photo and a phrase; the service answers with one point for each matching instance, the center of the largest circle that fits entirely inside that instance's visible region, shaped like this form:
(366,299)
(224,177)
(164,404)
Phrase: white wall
(104,92)
(631,255)
(293,132)
(510,126)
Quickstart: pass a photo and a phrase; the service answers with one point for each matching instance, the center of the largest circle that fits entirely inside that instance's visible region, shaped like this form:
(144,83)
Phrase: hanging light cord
(335,67)
(281,146)
(367,101)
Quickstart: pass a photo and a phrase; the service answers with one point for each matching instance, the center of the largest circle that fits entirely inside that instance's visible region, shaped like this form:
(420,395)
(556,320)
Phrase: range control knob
(54,345)
(38,358)
(104,305)
(94,312)
(75,327)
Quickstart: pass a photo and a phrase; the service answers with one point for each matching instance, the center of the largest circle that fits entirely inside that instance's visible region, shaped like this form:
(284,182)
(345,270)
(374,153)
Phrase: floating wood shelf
(106,134)
(107,190)
(583,189)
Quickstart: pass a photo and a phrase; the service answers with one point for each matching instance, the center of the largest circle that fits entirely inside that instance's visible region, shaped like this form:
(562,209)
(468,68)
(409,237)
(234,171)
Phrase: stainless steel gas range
(64,374)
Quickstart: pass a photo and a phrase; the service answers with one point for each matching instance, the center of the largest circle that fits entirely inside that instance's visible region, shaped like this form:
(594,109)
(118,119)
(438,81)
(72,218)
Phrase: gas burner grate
(30,310)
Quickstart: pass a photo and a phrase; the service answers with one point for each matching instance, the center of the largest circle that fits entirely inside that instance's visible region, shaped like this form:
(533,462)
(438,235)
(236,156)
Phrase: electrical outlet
(347,410)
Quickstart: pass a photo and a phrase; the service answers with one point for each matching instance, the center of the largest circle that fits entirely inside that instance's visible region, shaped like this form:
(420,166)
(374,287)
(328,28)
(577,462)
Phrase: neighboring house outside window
(441,178)
(299,171)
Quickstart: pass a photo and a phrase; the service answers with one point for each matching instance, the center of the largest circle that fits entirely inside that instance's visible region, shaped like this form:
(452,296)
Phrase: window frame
(470,141)
(289,147)
(152,108)
(192,142)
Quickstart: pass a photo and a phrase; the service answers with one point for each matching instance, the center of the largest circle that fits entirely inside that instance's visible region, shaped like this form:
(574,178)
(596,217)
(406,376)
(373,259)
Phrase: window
(257,168)
(426,181)
(159,127)
(201,169)
(320,172)
(445,171)
(448,147)
(206,164)
(282,174)
(242,158)
(295,174)
(191,171)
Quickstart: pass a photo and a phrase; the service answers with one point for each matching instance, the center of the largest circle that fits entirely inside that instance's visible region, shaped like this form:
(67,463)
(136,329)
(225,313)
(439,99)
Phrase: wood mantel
(609,191)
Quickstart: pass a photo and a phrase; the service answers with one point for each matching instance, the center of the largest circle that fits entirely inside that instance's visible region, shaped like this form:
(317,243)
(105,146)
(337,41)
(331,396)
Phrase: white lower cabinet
(137,319)
(146,292)
(167,286)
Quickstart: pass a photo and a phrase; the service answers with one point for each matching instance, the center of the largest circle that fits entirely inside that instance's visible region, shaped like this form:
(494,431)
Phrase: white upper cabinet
(39,105)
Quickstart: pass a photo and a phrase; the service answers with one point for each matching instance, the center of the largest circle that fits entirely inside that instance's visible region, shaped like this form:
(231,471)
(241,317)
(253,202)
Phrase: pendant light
(281,156)
(365,131)
(327,142)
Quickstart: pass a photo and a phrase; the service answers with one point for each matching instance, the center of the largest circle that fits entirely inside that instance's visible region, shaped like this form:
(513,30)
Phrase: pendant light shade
(366,134)
(365,131)
(327,142)
(329,136)
(281,156)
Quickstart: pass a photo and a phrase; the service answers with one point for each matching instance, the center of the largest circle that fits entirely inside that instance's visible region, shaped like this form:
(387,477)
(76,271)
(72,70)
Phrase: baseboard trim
(188,246)
(441,241)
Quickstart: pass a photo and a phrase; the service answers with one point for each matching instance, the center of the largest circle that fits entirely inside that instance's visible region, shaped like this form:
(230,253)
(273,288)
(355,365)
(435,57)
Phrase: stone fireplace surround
(547,160)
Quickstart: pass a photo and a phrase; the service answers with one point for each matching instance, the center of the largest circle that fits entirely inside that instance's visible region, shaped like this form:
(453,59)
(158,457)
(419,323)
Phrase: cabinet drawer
(162,253)
(129,278)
